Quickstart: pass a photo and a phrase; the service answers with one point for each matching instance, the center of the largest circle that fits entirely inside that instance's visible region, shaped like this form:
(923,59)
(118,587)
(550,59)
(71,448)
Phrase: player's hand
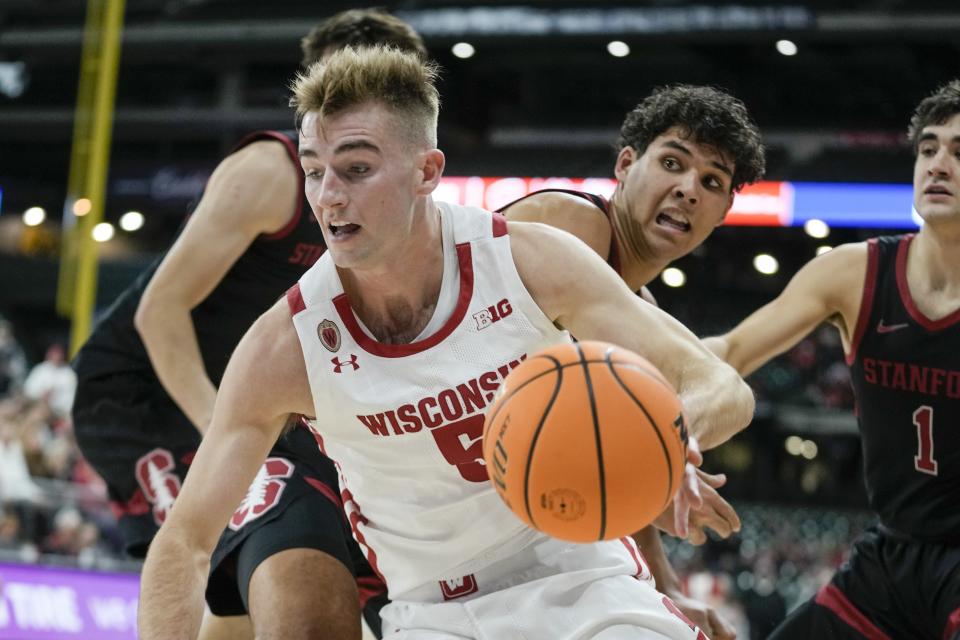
(704,616)
(688,496)
(714,512)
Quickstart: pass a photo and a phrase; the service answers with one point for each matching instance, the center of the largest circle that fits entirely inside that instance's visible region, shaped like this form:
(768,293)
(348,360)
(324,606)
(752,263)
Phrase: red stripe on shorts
(953,625)
(835,600)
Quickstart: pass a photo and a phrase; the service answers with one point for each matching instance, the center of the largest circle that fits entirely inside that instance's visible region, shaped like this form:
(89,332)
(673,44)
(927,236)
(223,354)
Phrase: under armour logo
(338,364)
(887,328)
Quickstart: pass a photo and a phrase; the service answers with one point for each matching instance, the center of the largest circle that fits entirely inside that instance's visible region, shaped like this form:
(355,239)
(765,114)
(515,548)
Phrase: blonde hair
(400,81)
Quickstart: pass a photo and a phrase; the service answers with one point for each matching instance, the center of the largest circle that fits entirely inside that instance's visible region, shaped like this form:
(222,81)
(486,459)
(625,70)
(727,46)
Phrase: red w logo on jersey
(264,493)
(458,587)
(159,485)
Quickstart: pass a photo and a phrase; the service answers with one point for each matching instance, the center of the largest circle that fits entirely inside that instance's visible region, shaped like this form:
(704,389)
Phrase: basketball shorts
(550,591)
(891,587)
(142,445)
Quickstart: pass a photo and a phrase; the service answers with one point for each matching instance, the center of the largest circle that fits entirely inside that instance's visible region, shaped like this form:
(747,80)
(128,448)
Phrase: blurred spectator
(53,380)
(13,365)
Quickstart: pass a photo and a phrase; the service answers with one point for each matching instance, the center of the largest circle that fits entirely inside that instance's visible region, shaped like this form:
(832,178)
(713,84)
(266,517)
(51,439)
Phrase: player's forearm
(648,539)
(717,402)
(171,343)
(172,587)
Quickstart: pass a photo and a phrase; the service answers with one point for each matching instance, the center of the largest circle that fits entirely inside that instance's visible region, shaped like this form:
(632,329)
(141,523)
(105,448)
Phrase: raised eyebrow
(673,144)
(356,144)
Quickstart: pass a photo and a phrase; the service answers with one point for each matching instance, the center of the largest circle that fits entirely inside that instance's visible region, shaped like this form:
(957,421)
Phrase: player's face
(936,173)
(677,192)
(361,182)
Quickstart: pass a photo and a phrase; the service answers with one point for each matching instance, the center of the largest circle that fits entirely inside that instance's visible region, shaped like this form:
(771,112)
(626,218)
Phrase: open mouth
(667,220)
(343,230)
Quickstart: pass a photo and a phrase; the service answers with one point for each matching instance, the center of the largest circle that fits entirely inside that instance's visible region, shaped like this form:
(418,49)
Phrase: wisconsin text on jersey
(465,400)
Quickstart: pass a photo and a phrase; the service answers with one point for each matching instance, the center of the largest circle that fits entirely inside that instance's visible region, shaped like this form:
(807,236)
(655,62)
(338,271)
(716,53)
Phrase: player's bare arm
(265,381)
(829,287)
(586,297)
(252,191)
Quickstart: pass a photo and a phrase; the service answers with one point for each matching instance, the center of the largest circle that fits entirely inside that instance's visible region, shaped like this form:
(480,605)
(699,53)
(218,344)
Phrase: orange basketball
(585,442)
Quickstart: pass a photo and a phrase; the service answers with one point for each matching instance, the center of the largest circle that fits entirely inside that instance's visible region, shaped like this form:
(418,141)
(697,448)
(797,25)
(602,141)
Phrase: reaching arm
(251,192)
(597,305)
(829,287)
(265,381)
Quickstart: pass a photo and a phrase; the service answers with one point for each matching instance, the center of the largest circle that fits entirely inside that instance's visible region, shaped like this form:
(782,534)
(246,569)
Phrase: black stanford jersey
(905,370)
(269,266)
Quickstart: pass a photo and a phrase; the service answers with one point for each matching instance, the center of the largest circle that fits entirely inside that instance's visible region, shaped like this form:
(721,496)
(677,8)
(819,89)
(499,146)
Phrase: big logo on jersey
(159,484)
(264,492)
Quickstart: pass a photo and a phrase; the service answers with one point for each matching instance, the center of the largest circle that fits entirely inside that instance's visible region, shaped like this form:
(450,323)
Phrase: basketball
(585,442)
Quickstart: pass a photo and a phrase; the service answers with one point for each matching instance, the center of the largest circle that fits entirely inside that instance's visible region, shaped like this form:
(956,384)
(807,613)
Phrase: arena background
(831,85)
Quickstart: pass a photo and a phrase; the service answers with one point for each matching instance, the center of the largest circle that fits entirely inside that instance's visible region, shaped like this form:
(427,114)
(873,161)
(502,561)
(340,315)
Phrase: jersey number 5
(924,461)
(461,444)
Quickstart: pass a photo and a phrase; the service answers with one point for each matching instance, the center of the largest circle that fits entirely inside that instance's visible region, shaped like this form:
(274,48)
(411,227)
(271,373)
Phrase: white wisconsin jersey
(404,423)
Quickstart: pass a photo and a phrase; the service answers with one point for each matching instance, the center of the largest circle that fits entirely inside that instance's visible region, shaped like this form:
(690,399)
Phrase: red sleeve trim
(295,300)
(499,225)
(953,625)
(832,598)
(866,301)
(288,228)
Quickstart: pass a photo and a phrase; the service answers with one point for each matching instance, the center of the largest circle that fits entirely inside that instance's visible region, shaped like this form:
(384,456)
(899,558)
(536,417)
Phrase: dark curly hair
(936,108)
(708,116)
(360,28)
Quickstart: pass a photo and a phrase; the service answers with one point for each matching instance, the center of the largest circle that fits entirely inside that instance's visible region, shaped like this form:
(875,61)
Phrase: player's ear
(627,156)
(431,167)
(727,209)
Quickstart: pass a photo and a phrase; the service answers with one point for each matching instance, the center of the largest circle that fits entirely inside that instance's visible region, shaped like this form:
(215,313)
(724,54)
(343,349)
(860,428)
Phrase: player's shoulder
(571,213)
(265,157)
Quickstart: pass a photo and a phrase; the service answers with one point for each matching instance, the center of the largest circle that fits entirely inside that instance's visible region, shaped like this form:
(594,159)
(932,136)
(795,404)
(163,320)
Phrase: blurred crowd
(54,508)
(51,502)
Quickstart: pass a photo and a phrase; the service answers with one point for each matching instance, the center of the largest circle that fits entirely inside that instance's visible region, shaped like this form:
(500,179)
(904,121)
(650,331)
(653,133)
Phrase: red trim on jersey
(370,345)
(295,300)
(907,299)
(369,587)
(953,625)
(325,489)
(832,598)
(357,518)
(866,300)
(291,150)
(635,552)
(499,225)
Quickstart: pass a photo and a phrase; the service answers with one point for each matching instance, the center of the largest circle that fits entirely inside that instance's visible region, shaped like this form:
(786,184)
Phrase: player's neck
(933,253)
(397,300)
(637,266)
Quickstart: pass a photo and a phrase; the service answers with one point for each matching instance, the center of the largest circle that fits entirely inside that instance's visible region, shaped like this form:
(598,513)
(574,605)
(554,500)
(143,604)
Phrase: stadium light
(673,277)
(816,228)
(103,232)
(131,221)
(34,216)
(787,47)
(82,207)
(766,264)
(618,49)
(463,50)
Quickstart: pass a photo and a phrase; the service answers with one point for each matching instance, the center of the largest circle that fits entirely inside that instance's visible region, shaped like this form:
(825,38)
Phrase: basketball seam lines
(536,434)
(666,453)
(596,431)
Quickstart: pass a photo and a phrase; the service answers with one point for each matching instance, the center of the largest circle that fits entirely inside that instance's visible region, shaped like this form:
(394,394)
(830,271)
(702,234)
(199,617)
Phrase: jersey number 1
(923,461)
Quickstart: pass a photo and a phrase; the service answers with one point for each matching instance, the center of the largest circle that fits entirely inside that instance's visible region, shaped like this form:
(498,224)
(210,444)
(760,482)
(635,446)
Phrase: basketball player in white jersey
(684,153)
(399,337)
